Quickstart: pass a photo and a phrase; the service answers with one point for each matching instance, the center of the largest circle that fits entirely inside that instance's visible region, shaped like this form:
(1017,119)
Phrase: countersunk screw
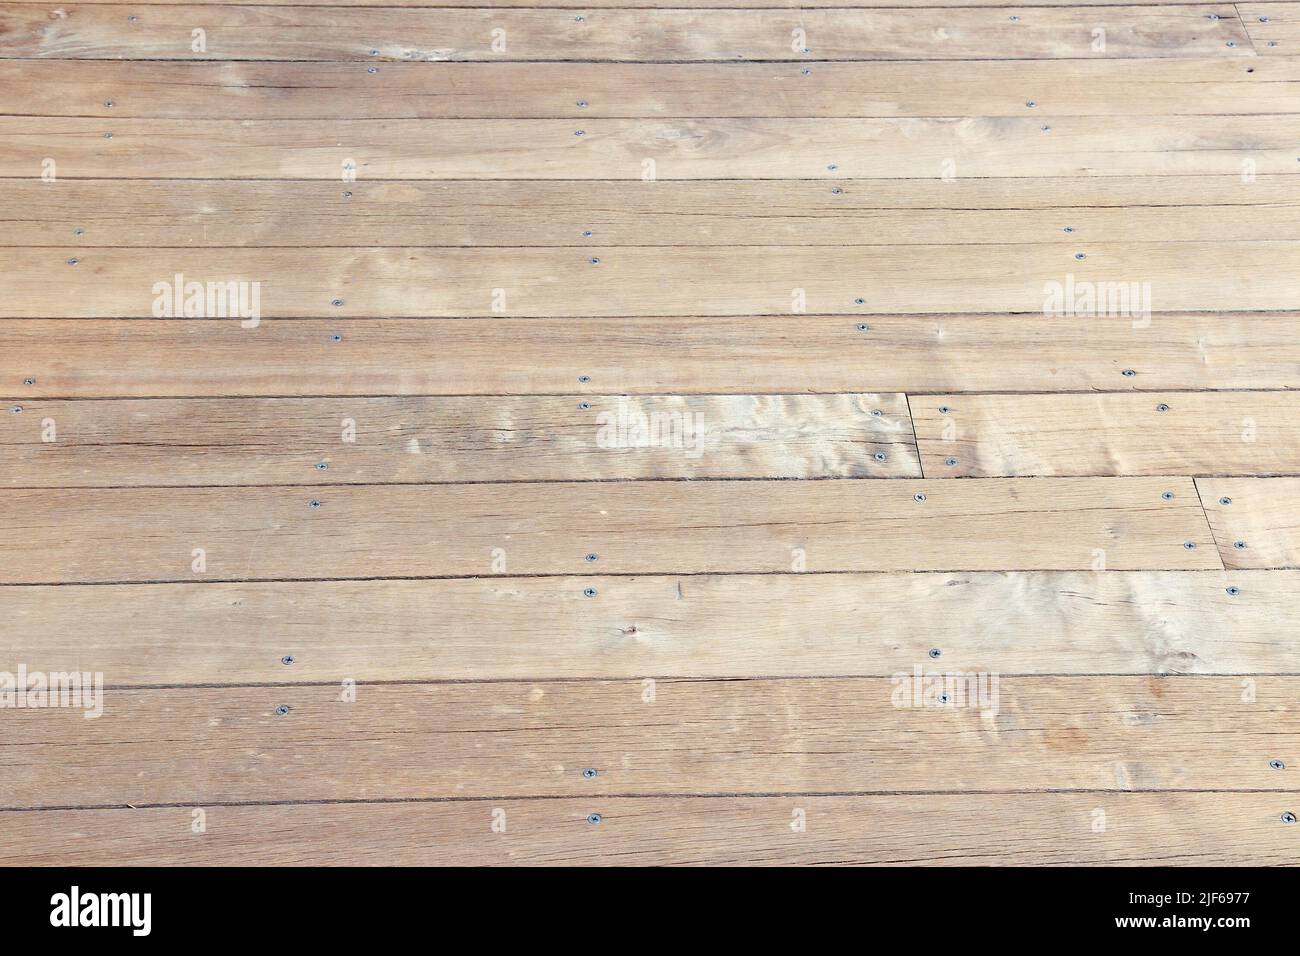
(17,409)
(1030,103)
(322,465)
(876,413)
(1277,765)
(1233,590)
(336,302)
(1225,500)
(78,231)
(108,136)
(29,381)
(579,132)
(1013,18)
(282,710)
(1189,545)
(1239,545)
(580,18)
(1128,373)
(593,556)
(336,338)
(805,71)
(1162,407)
(1231,43)
(372,69)
(582,104)
(1263,19)
(589,773)
(133,18)
(836,191)
(589,592)
(592,818)
(918,497)
(587,233)
(1288,817)
(584,379)
(935,652)
(859,301)
(584,405)
(313,504)
(880,456)
(1080,255)
(944,409)
(832,167)
(943,698)
(1167,495)
(108,103)
(287,659)
(347,194)
(374,53)
(594,260)
(950,462)
(1069,229)
(863,327)
(73,261)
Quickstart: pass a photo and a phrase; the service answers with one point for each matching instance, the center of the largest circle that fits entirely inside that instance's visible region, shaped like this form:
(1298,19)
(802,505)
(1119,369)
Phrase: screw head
(1288,817)
(1233,590)
(287,660)
(372,69)
(589,773)
(805,71)
(1189,545)
(1068,229)
(336,338)
(584,379)
(944,409)
(29,381)
(950,462)
(73,261)
(590,557)
(935,652)
(919,496)
(1162,407)
(876,413)
(282,709)
(1225,500)
(880,456)
(108,104)
(579,132)
(863,327)
(584,405)
(1231,43)
(836,191)
(1030,103)
(347,194)
(594,260)
(587,234)
(593,818)
(313,504)
(336,302)
(322,465)
(1013,18)
(581,104)
(1080,255)
(17,409)
(944,698)
(108,136)
(832,167)
(1277,765)
(859,301)
(1128,373)
(1239,545)
(589,592)
(1167,495)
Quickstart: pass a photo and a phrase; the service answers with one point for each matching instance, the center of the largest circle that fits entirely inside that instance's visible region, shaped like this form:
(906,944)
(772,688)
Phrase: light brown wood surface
(1157,433)
(798,625)
(1066,212)
(641,402)
(344,33)
(1044,829)
(508,739)
(586,357)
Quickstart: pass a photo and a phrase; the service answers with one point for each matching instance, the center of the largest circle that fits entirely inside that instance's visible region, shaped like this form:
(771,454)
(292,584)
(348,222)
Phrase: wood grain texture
(1041,829)
(1256,521)
(1274,28)
(796,625)
(631,4)
(67,282)
(1203,433)
(801,354)
(1065,212)
(662,527)
(832,149)
(258,90)
(343,33)
(695,737)
(382,440)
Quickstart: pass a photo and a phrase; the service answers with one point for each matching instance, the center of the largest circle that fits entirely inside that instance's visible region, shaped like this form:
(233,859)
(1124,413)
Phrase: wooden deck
(860,432)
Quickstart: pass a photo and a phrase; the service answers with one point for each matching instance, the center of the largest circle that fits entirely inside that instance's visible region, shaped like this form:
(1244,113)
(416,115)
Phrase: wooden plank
(730,212)
(1204,433)
(1274,28)
(829,149)
(637,4)
(645,280)
(193,745)
(365,440)
(1256,521)
(127,534)
(343,33)
(1042,829)
(795,625)
(258,90)
(800,354)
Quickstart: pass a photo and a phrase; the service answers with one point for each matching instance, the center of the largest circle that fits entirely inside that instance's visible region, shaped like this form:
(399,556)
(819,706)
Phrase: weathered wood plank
(729,212)
(646,280)
(799,354)
(195,745)
(1274,28)
(364,440)
(1256,521)
(829,149)
(1203,433)
(795,625)
(1042,829)
(638,4)
(343,33)
(259,90)
(635,527)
